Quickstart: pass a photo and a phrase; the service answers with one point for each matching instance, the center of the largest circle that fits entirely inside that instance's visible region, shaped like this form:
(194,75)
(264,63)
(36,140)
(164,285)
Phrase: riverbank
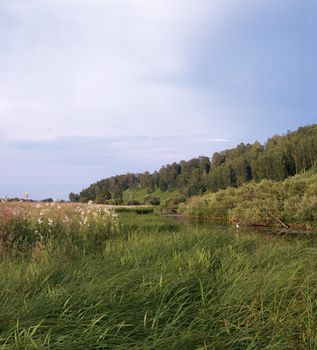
(291,203)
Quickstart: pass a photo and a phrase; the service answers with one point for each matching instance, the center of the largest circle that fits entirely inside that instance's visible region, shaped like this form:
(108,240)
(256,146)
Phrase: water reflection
(290,233)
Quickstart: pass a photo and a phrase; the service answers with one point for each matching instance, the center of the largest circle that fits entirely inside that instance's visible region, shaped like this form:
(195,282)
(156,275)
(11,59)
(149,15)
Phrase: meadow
(85,277)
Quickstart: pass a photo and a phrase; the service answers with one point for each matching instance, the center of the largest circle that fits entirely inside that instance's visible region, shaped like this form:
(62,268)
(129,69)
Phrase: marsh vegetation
(142,281)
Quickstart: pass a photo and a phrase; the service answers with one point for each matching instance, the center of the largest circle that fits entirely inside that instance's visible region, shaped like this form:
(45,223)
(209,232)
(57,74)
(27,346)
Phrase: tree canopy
(279,158)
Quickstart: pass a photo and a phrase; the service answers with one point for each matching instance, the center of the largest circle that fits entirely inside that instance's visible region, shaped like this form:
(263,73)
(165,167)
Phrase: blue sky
(90,89)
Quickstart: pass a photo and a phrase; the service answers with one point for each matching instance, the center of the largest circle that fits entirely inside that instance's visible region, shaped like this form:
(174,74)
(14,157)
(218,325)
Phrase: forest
(280,157)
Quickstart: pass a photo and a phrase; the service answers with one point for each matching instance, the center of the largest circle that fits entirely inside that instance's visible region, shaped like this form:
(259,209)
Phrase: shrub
(286,203)
(172,204)
(152,200)
(133,202)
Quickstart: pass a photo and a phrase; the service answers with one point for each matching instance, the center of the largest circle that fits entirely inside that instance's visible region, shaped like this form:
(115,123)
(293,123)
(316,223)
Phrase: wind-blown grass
(169,288)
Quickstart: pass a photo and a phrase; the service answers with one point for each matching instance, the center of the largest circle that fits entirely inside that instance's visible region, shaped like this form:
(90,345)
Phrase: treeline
(189,177)
(279,158)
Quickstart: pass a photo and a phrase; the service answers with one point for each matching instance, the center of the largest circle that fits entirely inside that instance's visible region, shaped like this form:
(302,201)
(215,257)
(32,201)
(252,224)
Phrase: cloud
(127,67)
(94,88)
(92,151)
(100,68)
(104,68)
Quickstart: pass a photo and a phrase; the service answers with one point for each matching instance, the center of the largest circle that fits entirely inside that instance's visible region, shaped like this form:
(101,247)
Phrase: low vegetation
(24,226)
(81,277)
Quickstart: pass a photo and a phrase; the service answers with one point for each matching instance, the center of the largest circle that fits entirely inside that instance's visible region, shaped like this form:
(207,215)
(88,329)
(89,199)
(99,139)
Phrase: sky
(91,89)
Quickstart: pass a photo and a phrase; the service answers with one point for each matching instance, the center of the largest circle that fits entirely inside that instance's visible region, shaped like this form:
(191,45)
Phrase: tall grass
(23,226)
(163,288)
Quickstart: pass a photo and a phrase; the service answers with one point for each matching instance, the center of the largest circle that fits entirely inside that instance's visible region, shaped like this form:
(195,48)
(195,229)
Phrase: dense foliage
(292,202)
(190,177)
(279,158)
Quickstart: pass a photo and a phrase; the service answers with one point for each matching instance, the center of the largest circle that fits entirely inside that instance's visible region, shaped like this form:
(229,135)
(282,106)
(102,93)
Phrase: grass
(159,285)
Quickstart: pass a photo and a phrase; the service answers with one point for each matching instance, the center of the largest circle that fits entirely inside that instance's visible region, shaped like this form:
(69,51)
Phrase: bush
(172,204)
(115,201)
(152,200)
(48,200)
(268,203)
(133,202)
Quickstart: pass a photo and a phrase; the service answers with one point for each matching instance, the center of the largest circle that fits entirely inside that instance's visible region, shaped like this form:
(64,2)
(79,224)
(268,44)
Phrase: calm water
(269,231)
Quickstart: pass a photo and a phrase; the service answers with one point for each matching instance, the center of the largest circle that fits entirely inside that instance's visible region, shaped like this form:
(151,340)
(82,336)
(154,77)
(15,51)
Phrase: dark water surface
(284,233)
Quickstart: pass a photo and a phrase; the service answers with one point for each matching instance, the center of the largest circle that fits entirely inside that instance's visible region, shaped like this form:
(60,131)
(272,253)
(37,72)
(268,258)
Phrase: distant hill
(280,157)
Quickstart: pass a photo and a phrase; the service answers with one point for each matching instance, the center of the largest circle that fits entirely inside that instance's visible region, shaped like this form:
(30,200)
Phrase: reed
(166,288)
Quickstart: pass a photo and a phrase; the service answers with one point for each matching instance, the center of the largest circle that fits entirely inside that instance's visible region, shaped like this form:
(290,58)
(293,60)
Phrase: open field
(98,281)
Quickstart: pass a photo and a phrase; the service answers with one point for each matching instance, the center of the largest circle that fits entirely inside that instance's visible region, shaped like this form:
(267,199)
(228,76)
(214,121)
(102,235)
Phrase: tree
(73,197)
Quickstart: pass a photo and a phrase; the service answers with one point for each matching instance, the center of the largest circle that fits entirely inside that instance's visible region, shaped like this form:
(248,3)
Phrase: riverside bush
(292,202)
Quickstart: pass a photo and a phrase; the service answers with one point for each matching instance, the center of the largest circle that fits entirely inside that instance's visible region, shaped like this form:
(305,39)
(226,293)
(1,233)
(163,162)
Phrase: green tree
(73,197)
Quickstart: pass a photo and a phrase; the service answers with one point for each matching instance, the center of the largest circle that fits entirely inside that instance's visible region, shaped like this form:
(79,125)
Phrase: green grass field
(159,285)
